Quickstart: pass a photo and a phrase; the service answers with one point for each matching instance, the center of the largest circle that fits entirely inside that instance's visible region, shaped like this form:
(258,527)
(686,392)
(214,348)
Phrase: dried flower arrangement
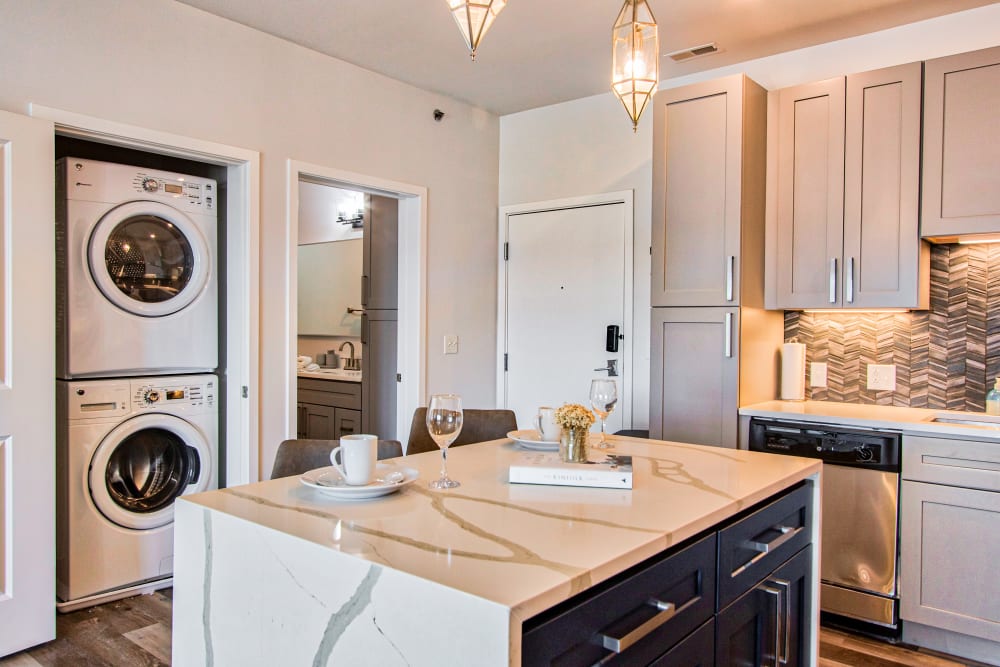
(574,415)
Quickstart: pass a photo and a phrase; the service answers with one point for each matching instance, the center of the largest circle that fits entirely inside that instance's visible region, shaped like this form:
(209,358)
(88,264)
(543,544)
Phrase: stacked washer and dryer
(137,346)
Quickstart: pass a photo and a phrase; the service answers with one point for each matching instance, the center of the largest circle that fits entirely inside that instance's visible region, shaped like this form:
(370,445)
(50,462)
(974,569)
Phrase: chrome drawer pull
(619,644)
(764,548)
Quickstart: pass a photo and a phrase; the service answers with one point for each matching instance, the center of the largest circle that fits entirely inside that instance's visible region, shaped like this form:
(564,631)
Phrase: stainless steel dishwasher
(860,519)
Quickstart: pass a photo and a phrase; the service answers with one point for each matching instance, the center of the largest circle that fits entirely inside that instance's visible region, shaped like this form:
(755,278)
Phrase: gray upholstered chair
(477,426)
(295,457)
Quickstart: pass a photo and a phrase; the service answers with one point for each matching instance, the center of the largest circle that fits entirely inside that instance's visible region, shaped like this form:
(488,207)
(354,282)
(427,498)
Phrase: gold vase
(573,445)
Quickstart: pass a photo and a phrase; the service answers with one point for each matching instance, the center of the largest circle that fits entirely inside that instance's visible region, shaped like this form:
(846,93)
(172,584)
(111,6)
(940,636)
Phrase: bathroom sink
(333,373)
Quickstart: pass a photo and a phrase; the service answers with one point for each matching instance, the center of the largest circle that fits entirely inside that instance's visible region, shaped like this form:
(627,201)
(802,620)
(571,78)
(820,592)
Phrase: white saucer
(531,439)
(329,482)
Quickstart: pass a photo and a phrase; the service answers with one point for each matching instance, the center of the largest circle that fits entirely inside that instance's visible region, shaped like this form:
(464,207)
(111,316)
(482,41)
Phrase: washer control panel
(171,394)
(197,192)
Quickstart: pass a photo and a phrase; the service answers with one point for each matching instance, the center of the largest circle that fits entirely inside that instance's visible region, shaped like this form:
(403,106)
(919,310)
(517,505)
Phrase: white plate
(530,439)
(328,481)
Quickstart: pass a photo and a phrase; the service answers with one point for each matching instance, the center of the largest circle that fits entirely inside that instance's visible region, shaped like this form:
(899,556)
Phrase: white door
(566,283)
(27,383)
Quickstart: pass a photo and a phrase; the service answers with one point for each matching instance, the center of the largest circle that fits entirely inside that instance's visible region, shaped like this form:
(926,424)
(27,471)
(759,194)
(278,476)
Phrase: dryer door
(146,463)
(148,258)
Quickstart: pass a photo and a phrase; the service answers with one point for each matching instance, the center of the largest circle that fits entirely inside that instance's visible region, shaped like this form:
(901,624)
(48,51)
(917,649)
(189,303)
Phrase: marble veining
(206,609)
(341,619)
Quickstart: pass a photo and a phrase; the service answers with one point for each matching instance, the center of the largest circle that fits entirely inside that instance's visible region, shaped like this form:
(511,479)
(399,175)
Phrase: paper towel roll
(793,371)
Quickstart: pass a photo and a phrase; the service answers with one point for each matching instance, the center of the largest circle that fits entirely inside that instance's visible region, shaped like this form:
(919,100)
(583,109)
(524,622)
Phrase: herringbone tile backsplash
(946,358)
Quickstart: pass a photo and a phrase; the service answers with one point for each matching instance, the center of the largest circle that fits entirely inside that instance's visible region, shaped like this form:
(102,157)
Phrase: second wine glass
(444,423)
(603,398)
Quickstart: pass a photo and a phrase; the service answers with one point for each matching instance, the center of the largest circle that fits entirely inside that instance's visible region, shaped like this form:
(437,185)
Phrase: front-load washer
(126,449)
(136,271)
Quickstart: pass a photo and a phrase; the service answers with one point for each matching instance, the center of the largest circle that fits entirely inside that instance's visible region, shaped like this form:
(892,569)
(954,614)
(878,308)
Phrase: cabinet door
(770,624)
(697,650)
(381,253)
(961,185)
(346,422)
(694,375)
(378,368)
(301,421)
(884,260)
(810,220)
(319,422)
(697,148)
(949,538)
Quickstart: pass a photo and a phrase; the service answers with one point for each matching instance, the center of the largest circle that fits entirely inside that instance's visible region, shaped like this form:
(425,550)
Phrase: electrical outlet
(882,377)
(817,374)
(451,344)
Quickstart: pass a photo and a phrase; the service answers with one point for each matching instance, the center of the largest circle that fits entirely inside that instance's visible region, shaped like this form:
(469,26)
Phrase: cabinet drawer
(330,392)
(965,463)
(624,613)
(697,650)
(754,546)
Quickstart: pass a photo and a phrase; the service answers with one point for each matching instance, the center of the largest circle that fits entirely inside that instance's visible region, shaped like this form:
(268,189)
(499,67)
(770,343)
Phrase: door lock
(611,368)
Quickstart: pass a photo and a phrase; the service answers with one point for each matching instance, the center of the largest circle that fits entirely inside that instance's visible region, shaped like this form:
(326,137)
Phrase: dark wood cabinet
(768,624)
(328,409)
(691,606)
(378,367)
(381,253)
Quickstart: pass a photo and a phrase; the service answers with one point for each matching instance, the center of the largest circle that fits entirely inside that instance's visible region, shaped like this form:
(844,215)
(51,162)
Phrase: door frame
(242,369)
(625,197)
(412,278)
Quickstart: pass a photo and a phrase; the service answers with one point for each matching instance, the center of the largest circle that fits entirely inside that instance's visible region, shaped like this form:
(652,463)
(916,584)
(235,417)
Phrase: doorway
(406,322)
(565,281)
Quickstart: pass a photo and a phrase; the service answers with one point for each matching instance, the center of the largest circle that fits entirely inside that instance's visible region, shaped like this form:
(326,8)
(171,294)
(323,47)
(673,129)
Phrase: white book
(612,472)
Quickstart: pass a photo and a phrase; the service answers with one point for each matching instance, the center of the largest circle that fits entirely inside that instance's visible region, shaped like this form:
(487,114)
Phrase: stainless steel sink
(975,421)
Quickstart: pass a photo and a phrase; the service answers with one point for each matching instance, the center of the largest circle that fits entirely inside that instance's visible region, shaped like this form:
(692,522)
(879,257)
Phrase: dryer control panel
(173,395)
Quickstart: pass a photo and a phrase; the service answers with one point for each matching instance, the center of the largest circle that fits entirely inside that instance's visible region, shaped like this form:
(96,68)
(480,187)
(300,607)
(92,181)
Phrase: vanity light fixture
(474,18)
(635,54)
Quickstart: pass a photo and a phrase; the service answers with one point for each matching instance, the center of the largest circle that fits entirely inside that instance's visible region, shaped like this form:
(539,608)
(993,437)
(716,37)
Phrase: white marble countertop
(914,421)
(522,547)
(336,374)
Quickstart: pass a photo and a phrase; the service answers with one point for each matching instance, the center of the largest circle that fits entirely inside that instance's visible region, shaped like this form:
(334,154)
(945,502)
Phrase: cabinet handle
(619,644)
(729,336)
(364,291)
(778,621)
(730,271)
(764,548)
(833,280)
(784,618)
(364,330)
(849,280)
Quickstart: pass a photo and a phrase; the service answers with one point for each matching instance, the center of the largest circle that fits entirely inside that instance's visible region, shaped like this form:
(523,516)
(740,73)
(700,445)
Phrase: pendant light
(474,18)
(635,49)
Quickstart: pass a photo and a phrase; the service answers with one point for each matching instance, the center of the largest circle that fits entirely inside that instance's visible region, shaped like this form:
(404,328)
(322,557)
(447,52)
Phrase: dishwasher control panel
(864,448)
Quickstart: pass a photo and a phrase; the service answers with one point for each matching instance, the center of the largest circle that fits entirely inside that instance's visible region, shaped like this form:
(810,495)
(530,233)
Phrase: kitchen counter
(913,421)
(337,374)
(277,573)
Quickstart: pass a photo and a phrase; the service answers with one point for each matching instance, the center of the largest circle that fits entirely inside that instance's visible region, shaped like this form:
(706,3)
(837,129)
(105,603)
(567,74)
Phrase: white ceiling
(541,52)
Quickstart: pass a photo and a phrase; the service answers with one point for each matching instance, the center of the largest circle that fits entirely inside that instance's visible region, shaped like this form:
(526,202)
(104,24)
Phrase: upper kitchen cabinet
(848,187)
(709,154)
(962,145)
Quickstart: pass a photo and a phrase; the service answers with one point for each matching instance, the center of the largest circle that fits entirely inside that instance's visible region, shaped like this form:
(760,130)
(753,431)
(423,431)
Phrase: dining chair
(295,457)
(477,426)
(633,433)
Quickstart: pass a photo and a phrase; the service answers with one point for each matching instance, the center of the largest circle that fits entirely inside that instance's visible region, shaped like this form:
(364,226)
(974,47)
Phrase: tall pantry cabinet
(713,346)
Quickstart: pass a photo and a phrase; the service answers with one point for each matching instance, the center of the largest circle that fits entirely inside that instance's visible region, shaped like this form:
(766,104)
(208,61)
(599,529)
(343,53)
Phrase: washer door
(143,465)
(148,258)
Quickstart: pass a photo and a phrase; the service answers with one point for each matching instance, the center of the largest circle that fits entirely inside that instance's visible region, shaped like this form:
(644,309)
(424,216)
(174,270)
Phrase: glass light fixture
(474,18)
(635,49)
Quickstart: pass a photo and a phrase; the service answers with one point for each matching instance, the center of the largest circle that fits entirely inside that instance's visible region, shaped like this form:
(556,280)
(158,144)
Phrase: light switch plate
(817,374)
(451,344)
(882,377)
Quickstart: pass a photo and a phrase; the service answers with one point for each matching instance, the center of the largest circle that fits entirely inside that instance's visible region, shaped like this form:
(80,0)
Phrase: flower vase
(573,445)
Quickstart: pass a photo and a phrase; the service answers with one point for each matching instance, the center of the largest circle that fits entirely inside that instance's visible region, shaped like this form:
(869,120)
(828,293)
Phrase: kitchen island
(278,573)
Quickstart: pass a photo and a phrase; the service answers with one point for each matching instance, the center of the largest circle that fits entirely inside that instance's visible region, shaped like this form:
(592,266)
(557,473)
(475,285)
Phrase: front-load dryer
(136,271)
(126,449)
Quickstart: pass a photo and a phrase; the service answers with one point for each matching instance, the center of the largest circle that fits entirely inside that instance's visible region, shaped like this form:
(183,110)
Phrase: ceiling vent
(694,52)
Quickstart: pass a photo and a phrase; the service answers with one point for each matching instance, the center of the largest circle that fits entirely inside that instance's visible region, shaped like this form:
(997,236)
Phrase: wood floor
(135,632)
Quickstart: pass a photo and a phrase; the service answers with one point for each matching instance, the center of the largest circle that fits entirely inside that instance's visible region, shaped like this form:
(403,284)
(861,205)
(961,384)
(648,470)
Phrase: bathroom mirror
(329,284)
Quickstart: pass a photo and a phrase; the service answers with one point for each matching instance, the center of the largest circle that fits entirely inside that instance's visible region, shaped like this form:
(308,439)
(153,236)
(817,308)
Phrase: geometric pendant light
(635,48)
(474,18)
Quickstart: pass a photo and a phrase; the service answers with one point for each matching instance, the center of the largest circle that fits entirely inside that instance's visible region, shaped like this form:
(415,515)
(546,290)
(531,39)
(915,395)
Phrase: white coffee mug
(545,424)
(358,454)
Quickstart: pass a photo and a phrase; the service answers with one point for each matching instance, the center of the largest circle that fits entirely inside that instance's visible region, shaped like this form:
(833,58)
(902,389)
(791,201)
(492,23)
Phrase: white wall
(586,146)
(162,65)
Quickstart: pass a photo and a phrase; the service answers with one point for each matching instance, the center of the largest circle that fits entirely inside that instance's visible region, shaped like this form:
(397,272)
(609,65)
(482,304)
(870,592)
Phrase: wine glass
(444,423)
(603,398)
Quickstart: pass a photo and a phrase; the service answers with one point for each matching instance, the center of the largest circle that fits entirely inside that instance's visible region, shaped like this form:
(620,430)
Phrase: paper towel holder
(793,370)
